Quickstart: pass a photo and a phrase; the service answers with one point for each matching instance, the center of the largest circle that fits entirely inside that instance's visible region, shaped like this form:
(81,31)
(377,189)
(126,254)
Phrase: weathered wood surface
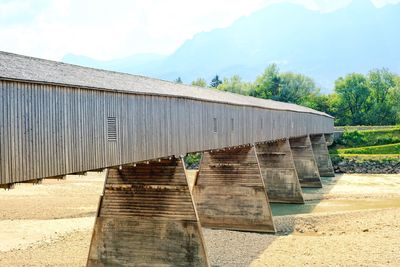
(304,161)
(147,218)
(52,124)
(279,172)
(321,155)
(230,194)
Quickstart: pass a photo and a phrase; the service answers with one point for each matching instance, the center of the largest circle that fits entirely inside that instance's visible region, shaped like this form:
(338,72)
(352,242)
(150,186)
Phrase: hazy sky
(110,29)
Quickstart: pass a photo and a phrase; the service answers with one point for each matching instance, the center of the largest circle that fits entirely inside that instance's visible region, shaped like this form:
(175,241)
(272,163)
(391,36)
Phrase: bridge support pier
(279,173)
(329,139)
(304,161)
(7,186)
(230,194)
(321,154)
(146,217)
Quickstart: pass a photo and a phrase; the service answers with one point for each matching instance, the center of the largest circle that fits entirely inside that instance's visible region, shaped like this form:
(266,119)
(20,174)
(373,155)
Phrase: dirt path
(50,225)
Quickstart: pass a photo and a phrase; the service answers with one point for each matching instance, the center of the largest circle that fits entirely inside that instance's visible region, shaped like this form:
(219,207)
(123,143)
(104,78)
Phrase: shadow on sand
(217,241)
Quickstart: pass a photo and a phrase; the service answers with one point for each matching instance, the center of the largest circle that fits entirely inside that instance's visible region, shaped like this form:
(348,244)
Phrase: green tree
(215,82)
(382,111)
(200,82)
(353,96)
(394,99)
(235,85)
(286,87)
(372,99)
(178,80)
(321,102)
(267,84)
(296,88)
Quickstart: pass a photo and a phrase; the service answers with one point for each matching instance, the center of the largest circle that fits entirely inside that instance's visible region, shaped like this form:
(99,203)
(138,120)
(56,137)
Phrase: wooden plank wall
(48,130)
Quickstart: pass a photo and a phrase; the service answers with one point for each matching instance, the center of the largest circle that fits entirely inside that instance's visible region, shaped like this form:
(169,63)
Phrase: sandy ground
(353,221)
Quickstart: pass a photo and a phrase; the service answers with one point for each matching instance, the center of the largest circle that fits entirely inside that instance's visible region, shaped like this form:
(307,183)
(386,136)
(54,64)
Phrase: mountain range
(325,46)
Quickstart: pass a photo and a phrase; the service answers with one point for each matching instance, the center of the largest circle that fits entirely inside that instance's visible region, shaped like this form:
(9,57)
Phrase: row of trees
(357,99)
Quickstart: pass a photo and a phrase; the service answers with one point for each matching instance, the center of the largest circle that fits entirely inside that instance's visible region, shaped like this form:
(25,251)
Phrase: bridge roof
(30,69)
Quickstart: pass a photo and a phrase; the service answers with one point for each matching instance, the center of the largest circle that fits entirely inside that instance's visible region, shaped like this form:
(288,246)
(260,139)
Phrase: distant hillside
(357,38)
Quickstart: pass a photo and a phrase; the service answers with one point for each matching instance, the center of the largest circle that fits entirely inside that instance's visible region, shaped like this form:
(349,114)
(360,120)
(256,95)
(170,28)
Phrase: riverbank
(367,150)
(352,221)
(367,164)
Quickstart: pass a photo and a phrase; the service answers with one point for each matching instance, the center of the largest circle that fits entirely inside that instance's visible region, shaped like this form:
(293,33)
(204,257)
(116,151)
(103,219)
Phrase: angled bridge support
(229,192)
(321,154)
(279,172)
(147,218)
(305,163)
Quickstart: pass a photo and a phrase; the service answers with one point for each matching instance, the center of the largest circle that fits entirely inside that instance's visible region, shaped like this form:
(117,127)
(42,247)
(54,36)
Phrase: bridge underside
(148,215)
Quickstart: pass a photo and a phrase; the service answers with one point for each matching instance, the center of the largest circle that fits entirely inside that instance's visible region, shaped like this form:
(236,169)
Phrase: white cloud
(381,3)
(101,30)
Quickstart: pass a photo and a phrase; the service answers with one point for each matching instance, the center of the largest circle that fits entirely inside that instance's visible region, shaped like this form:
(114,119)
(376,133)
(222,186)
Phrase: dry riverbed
(353,221)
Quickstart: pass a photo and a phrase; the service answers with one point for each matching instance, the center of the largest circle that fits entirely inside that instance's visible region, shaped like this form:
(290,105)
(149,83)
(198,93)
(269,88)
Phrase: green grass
(367,156)
(366,128)
(378,133)
(383,149)
(366,138)
(380,144)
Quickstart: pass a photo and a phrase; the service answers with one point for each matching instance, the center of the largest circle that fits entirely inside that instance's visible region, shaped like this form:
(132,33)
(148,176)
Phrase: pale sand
(51,224)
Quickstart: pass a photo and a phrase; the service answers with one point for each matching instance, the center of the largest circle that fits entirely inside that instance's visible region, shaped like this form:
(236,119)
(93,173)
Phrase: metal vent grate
(111,129)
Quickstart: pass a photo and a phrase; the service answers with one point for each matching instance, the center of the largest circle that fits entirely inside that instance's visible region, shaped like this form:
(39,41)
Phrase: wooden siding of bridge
(50,130)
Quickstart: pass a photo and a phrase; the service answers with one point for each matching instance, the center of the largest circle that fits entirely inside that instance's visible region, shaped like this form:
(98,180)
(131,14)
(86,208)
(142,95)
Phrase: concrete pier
(147,217)
(279,172)
(304,161)
(321,155)
(329,138)
(230,194)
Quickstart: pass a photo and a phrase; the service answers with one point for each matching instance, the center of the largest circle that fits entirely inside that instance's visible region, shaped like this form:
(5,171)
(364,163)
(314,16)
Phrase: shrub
(352,139)
(369,137)
(192,160)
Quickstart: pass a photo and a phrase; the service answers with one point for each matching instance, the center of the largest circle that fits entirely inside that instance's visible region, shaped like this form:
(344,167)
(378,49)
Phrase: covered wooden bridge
(59,119)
